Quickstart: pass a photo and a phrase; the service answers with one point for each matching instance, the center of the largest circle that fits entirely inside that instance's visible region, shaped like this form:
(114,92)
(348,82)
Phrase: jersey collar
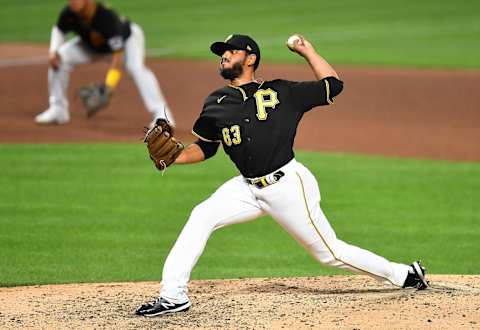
(244,86)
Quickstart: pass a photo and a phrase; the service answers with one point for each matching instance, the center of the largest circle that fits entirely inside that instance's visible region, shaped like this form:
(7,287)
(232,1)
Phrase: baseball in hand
(291,41)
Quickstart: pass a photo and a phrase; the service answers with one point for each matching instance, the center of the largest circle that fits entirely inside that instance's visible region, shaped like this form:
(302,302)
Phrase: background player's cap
(237,41)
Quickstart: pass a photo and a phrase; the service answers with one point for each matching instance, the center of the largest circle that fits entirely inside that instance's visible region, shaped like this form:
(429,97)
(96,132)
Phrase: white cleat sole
(52,122)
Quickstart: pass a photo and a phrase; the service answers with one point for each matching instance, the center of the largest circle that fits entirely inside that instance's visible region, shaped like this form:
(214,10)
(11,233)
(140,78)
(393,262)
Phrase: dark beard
(234,72)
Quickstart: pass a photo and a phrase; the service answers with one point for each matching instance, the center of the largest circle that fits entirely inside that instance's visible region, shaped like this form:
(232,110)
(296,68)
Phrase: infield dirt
(393,112)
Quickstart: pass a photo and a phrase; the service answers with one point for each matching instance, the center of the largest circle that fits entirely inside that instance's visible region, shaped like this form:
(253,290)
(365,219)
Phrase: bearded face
(233,72)
(231,67)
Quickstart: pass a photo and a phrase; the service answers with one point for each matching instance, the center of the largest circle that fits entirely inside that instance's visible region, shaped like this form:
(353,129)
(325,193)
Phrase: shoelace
(153,302)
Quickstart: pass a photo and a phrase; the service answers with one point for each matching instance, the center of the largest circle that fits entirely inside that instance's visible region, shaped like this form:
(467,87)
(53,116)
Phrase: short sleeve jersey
(105,33)
(257,122)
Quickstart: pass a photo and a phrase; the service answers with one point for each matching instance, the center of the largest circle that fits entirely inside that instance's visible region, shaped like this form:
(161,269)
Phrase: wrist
(113,77)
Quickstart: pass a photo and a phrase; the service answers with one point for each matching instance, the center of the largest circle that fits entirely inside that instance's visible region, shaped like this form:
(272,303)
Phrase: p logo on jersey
(265,98)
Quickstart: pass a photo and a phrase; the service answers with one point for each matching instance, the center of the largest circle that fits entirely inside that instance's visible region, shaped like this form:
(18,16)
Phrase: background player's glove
(162,146)
(95,97)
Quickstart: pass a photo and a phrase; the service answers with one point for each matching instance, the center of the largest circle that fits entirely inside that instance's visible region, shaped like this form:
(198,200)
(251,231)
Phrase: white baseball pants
(74,52)
(294,203)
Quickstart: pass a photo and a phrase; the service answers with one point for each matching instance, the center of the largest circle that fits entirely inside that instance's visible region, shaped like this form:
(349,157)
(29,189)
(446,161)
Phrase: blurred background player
(100,34)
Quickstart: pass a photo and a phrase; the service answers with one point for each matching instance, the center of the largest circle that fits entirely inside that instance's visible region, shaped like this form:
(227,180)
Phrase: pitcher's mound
(350,302)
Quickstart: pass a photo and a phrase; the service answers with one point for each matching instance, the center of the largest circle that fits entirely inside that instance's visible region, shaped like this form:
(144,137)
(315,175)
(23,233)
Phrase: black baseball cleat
(161,306)
(416,277)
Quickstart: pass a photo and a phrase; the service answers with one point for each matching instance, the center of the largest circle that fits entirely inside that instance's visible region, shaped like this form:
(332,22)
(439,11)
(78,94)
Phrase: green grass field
(428,33)
(100,212)
(91,212)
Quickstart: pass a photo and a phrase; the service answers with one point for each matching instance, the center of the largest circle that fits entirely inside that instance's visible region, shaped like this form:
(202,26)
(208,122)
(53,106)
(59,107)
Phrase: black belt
(266,180)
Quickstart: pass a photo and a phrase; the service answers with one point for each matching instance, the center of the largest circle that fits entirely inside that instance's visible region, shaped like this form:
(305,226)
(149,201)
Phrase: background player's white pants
(294,203)
(74,52)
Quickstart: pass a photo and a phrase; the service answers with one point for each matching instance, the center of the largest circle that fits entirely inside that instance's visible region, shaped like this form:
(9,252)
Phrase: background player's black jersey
(105,33)
(257,122)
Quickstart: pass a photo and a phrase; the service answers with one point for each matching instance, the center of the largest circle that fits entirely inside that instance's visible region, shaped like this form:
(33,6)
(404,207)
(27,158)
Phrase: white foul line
(23,61)
(12,62)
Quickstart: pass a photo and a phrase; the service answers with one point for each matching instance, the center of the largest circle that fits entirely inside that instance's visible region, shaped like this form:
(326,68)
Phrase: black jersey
(105,33)
(257,122)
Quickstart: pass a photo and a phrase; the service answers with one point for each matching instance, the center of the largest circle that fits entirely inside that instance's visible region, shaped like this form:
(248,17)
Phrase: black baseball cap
(240,42)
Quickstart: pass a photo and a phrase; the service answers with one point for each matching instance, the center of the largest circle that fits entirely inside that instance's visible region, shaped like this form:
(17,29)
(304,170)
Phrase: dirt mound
(346,302)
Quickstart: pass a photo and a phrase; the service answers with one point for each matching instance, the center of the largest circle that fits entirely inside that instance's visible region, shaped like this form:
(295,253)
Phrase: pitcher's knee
(198,211)
(328,255)
(201,212)
(326,258)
